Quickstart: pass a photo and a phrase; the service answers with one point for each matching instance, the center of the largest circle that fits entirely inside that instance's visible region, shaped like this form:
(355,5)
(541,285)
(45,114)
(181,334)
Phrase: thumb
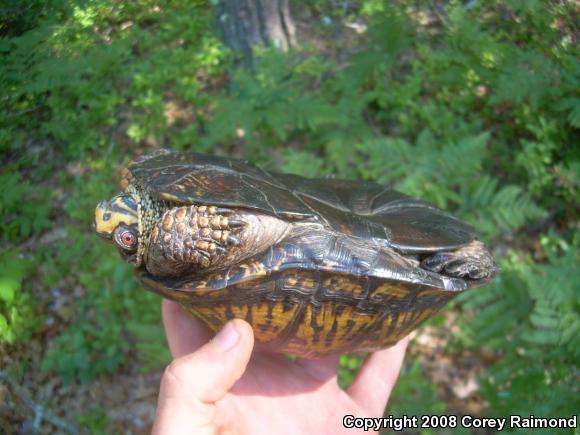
(193,383)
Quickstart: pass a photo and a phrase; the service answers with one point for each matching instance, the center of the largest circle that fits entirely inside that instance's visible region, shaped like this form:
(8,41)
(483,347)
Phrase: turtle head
(117,221)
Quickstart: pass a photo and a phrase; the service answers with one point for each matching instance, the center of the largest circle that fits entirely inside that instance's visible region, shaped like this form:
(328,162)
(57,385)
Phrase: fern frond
(531,317)
(496,210)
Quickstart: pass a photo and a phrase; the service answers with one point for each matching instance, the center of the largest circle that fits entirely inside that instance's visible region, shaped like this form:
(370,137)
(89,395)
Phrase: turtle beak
(105,237)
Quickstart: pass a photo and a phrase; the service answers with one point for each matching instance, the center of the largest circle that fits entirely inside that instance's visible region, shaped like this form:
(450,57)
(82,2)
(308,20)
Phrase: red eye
(128,238)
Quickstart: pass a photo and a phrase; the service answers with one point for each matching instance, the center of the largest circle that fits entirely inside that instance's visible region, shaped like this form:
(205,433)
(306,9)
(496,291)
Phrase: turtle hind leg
(473,262)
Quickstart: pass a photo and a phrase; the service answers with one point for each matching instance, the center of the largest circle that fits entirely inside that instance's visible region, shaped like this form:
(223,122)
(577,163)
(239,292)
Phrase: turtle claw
(236,223)
(232,240)
(204,258)
(224,211)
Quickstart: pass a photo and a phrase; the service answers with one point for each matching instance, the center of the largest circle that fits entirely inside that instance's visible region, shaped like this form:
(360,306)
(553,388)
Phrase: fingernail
(227,337)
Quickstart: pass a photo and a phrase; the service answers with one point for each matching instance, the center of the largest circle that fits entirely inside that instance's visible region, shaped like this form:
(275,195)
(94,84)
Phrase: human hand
(213,386)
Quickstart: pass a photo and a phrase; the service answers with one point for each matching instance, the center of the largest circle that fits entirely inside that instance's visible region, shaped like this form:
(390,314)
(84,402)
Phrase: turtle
(315,265)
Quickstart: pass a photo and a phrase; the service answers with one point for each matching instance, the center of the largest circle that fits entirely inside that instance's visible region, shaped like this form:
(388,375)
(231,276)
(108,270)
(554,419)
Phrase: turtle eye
(126,238)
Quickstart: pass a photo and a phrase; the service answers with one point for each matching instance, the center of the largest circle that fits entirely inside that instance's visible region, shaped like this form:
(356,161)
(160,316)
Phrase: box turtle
(314,265)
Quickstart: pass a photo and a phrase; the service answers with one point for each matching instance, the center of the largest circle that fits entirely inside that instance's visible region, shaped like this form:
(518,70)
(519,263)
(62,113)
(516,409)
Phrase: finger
(193,383)
(321,369)
(185,334)
(376,378)
(212,370)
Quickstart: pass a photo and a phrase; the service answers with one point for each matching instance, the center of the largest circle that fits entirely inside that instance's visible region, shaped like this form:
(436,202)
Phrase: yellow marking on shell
(202,290)
(432,292)
(307,283)
(425,314)
(239,311)
(268,320)
(202,208)
(343,284)
(391,290)
(291,281)
(401,324)
(394,328)
(181,228)
(203,222)
(390,329)
(299,282)
(350,320)
(125,216)
(254,269)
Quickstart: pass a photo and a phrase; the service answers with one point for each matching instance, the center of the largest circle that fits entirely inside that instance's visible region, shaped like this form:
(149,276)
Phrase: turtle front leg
(191,238)
(470,262)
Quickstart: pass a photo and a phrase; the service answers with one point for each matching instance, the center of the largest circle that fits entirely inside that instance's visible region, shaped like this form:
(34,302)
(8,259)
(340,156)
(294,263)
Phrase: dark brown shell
(362,209)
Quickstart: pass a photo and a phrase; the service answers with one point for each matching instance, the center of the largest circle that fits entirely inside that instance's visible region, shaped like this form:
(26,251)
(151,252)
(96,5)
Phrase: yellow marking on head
(110,214)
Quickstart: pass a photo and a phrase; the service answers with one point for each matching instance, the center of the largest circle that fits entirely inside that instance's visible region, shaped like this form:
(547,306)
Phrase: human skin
(224,385)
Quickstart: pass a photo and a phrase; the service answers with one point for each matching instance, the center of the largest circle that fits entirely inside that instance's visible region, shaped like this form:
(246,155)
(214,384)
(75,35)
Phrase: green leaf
(8,288)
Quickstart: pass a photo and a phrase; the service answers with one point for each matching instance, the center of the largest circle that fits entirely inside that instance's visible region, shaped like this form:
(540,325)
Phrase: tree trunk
(244,24)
